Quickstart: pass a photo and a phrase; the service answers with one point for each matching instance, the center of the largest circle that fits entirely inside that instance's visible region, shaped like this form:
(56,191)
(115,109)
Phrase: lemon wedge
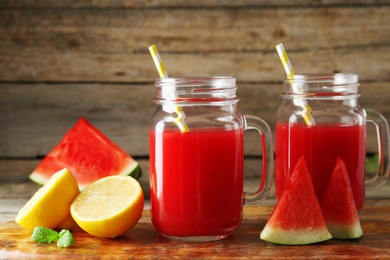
(49,206)
(109,207)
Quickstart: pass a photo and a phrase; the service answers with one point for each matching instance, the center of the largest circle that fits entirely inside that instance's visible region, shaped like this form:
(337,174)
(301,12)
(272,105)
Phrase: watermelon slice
(338,206)
(297,218)
(88,154)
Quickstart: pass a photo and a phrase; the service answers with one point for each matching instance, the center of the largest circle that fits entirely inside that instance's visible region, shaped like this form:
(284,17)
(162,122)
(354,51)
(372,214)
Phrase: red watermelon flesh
(297,218)
(338,205)
(88,154)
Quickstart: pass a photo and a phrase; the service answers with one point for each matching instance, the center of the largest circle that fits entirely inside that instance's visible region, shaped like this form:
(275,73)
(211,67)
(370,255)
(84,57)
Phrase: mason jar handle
(383,136)
(252,122)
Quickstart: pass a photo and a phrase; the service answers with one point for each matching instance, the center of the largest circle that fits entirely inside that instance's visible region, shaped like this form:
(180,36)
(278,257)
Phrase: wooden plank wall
(62,60)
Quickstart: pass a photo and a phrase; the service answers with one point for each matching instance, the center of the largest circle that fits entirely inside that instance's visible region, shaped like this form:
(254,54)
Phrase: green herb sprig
(47,235)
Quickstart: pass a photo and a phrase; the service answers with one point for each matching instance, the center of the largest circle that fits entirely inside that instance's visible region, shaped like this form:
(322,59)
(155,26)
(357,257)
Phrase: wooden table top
(145,242)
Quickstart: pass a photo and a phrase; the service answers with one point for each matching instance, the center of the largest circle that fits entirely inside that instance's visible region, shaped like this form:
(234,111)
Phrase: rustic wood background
(62,60)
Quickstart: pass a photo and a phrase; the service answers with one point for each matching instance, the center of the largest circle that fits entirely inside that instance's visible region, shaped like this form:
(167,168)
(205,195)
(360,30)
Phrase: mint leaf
(47,235)
(66,238)
(44,235)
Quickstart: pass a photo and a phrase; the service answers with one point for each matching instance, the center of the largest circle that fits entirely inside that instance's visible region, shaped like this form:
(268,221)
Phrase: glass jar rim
(315,86)
(335,78)
(217,81)
(196,90)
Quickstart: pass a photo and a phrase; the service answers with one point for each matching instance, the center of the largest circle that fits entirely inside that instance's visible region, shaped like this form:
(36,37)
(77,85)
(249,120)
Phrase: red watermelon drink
(196,159)
(320,145)
(199,178)
(337,128)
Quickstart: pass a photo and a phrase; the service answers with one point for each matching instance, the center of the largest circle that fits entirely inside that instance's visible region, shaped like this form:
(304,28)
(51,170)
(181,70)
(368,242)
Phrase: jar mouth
(215,82)
(321,85)
(196,90)
(336,78)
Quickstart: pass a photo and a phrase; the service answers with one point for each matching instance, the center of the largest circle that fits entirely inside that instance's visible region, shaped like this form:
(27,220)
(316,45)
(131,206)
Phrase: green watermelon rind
(280,236)
(38,177)
(343,231)
(132,169)
(136,173)
(339,199)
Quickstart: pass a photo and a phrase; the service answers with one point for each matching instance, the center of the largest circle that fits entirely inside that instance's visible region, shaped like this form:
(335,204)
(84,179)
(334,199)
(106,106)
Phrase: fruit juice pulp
(196,181)
(321,145)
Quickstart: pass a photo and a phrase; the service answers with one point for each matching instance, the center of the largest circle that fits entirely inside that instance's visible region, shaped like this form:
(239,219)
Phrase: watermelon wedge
(297,218)
(88,154)
(338,206)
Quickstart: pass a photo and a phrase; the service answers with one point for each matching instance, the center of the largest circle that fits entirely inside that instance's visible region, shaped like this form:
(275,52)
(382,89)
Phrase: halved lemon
(49,206)
(109,207)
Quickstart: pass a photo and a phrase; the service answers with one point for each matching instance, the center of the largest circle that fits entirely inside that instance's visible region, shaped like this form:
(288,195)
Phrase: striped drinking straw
(298,89)
(164,74)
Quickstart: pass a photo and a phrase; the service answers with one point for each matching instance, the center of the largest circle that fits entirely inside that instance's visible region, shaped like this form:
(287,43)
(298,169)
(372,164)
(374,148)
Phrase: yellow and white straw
(164,74)
(306,113)
(158,62)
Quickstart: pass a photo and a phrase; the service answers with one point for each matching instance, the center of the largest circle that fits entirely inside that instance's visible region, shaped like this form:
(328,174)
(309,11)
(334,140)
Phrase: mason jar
(197,158)
(321,120)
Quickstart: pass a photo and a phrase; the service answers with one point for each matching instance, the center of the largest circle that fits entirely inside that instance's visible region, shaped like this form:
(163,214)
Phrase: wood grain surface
(144,242)
(69,43)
